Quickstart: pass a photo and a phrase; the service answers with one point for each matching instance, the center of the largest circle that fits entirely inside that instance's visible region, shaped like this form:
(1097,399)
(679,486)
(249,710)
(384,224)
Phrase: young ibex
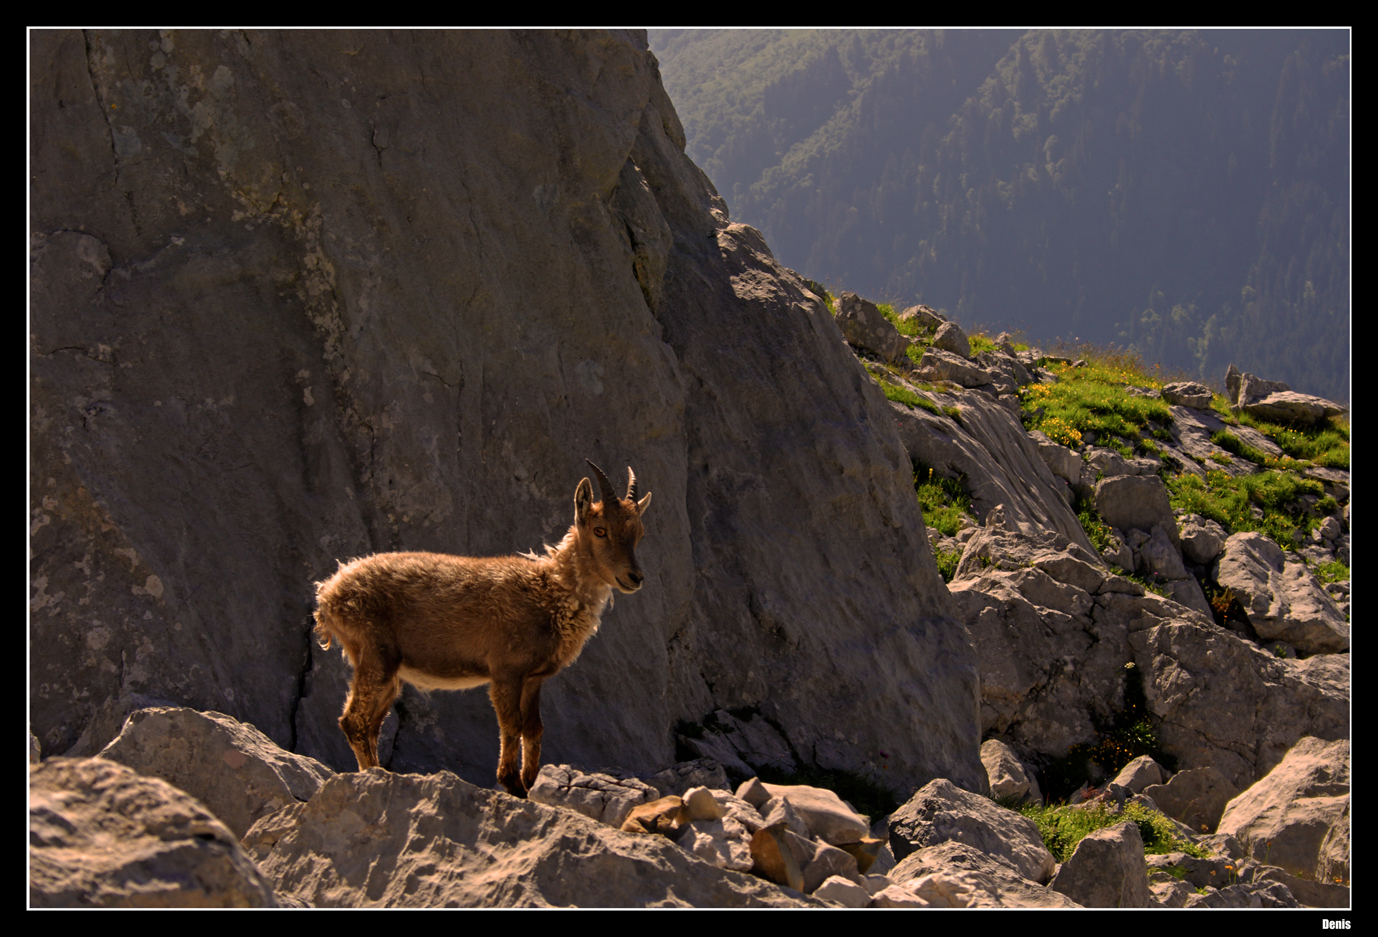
(453,622)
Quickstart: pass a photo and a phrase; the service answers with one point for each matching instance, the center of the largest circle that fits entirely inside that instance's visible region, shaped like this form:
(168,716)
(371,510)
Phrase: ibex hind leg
(370,697)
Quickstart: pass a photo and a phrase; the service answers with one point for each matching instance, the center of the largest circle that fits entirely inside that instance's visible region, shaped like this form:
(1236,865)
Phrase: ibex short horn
(443,622)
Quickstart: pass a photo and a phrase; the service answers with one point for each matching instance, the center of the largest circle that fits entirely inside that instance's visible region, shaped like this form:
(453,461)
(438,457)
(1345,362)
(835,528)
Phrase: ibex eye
(599,532)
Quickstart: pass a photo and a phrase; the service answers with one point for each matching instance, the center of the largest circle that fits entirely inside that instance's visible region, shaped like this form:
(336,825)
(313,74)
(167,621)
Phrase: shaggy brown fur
(444,622)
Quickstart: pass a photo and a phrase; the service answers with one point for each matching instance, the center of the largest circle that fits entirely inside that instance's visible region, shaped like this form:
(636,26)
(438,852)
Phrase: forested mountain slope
(1184,193)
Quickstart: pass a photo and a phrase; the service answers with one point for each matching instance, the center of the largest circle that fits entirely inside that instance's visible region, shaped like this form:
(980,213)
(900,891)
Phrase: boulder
(950,337)
(925,316)
(941,811)
(1195,797)
(1286,819)
(1106,870)
(1009,780)
(232,768)
(1188,394)
(865,327)
(722,843)
(1133,502)
(1291,407)
(843,891)
(1139,774)
(1201,539)
(1061,461)
(940,364)
(983,880)
(823,812)
(103,836)
(1159,558)
(1281,596)
(660,816)
(1255,388)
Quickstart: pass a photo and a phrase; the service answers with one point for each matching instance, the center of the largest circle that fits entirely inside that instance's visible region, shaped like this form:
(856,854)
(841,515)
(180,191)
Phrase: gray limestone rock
(1291,407)
(926,317)
(1139,774)
(1106,870)
(1287,818)
(983,880)
(940,364)
(1063,462)
(1225,703)
(827,817)
(998,460)
(864,326)
(103,836)
(1157,556)
(600,797)
(1133,502)
(940,812)
(232,768)
(1196,797)
(950,337)
(1252,389)
(1280,595)
(1188,394)
(1202,539)
(1008,777)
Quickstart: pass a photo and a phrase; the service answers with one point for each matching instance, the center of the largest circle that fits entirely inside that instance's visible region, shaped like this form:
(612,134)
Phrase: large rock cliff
(300,297)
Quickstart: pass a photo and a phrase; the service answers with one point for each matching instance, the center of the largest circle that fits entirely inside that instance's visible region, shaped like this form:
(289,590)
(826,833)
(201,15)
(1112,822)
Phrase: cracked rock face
(294,304)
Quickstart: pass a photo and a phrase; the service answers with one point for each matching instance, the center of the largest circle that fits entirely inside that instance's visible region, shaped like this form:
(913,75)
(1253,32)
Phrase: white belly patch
(426,681)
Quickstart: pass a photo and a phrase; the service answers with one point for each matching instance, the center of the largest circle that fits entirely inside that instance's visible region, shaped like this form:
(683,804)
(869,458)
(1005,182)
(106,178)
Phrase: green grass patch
(980,342)
(1091,399)
(944,500)
(1334,571)
(1230,501)
(1062,828)
(1097,530)
(1325,444)
(900,394)
(947,561)
(908,398)
(909,328)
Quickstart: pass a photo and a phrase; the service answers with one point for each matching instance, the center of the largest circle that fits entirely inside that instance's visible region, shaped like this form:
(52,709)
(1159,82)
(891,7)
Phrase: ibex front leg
(506,694)
(532,730)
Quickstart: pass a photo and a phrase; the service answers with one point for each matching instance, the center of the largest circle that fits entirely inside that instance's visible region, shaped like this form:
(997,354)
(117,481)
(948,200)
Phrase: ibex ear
(643,504)
(583,500)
